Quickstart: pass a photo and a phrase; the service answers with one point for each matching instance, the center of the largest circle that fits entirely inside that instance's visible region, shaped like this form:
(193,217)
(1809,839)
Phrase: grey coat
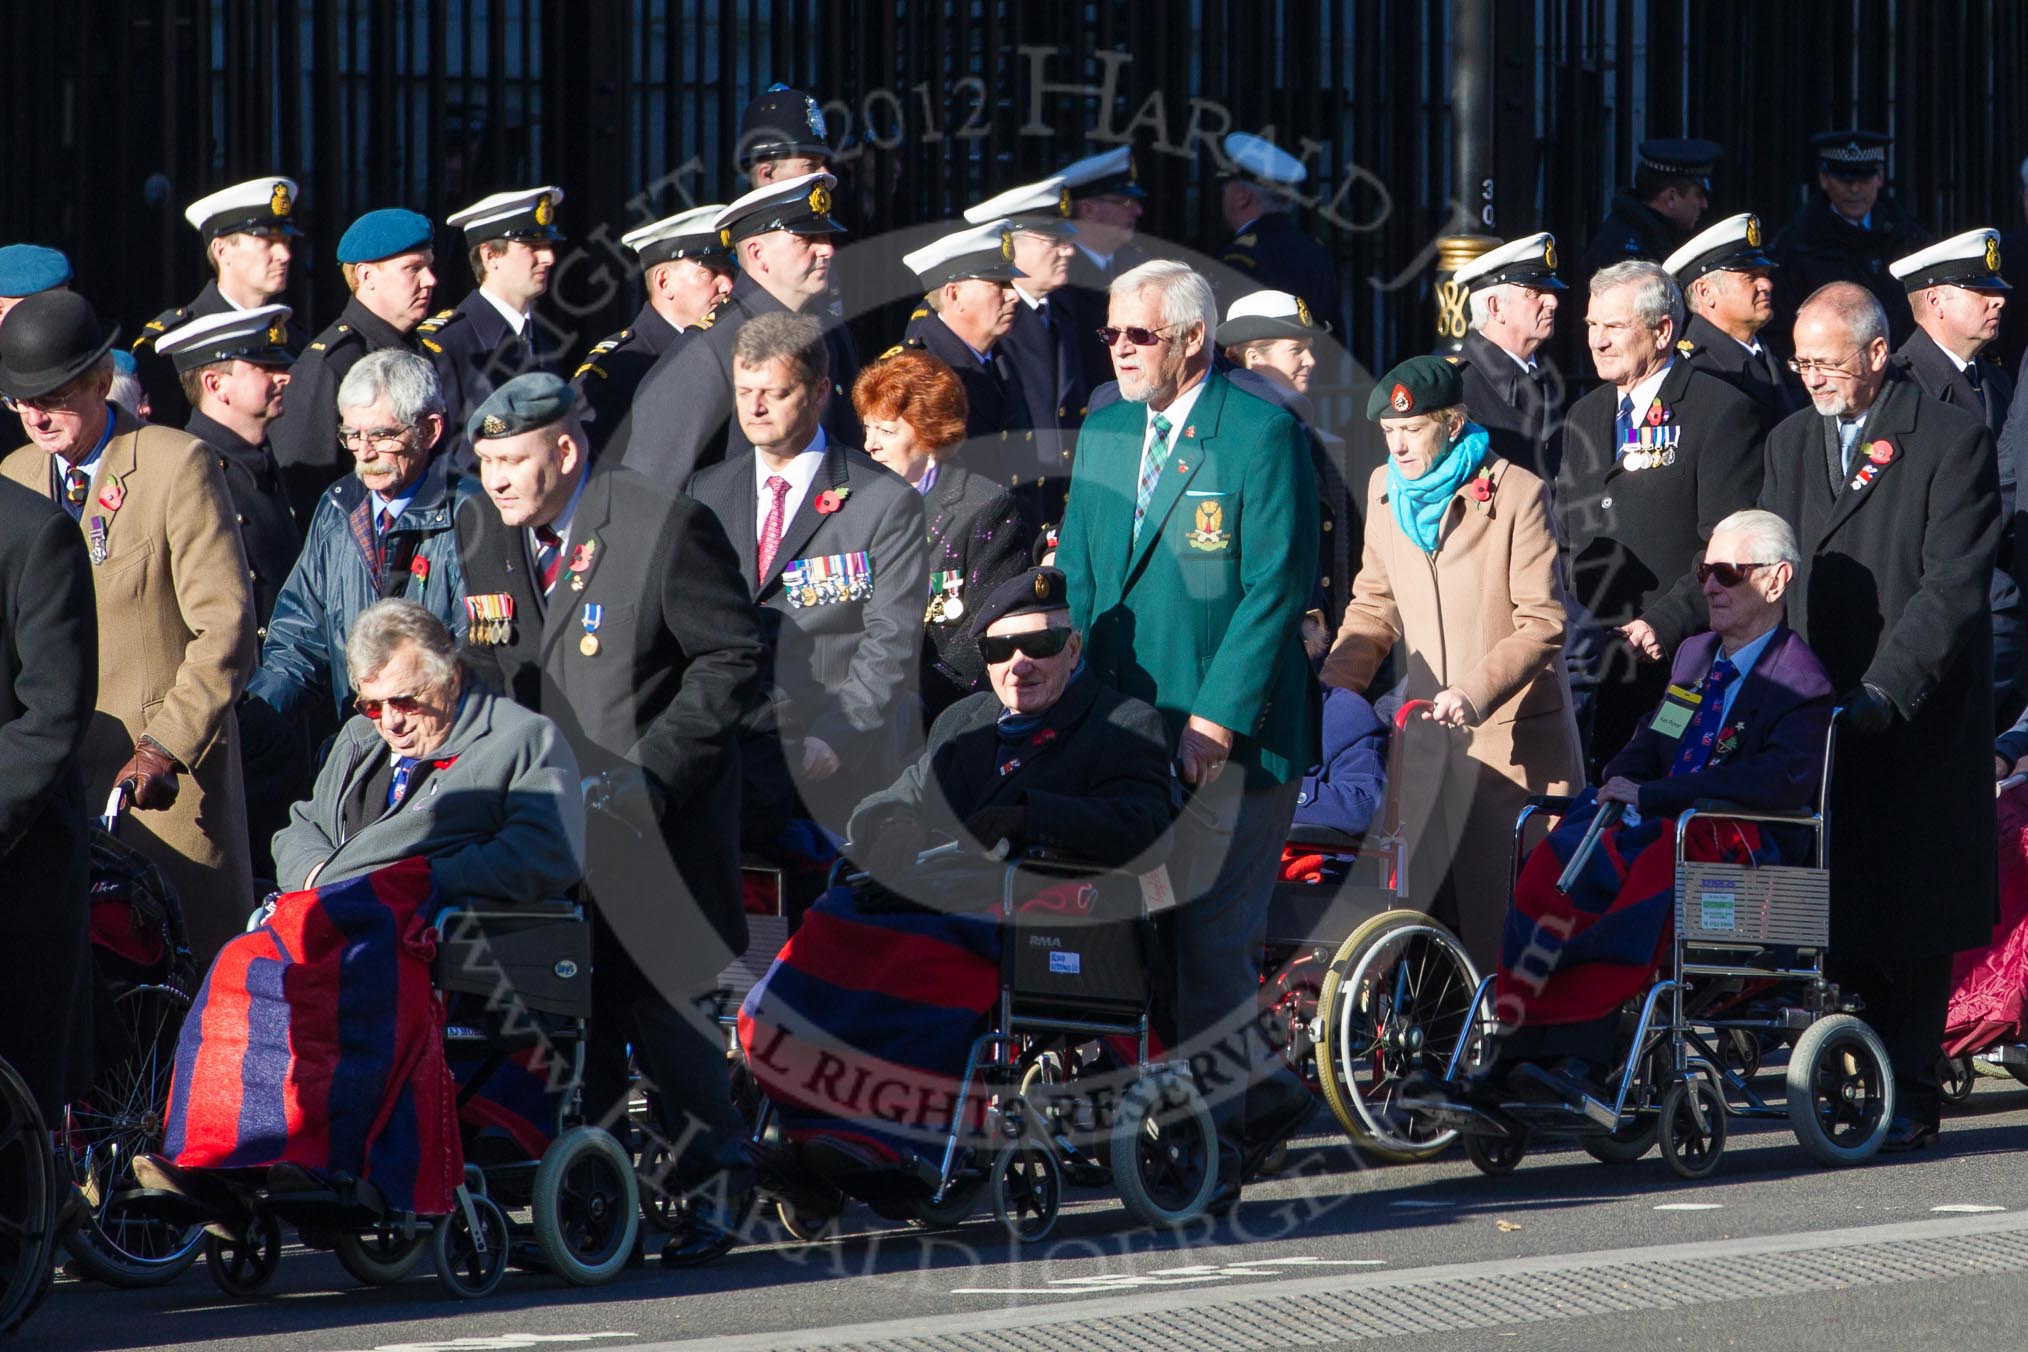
(497,809)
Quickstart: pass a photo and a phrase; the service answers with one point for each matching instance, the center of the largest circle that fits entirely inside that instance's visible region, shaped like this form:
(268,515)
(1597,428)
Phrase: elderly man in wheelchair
(311,1080)
(1744,721)
(881,996)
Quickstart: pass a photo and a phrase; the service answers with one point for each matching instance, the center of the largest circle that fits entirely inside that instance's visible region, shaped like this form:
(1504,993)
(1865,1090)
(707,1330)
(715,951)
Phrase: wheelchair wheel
(1692,1127)
(1495,1155)
(585,1208)
(1628,1145)
(381,1256)
(1840,1090)
(1164,1151)
(471,1264)
(1398,998)
(1027,1188)
(121,1117)
(961,1199)
(661,1207)
(244,1266)
(28,1180)
(1956,1080)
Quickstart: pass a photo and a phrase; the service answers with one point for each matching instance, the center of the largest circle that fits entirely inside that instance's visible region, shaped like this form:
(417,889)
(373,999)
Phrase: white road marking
(1966,1208)
(1171,1276)
(1691,1206)
(497,1342)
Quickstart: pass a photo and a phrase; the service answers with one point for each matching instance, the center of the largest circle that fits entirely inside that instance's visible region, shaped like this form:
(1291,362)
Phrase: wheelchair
(516,987)
(1745,972)
(1366,987)
(1059,1088)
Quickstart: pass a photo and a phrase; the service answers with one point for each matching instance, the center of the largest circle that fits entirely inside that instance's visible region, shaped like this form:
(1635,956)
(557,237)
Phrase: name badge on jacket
(826,579)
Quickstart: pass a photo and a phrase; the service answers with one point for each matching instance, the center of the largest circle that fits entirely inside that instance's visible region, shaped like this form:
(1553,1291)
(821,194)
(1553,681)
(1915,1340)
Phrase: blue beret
(523,404)
(26,269)
(383,234)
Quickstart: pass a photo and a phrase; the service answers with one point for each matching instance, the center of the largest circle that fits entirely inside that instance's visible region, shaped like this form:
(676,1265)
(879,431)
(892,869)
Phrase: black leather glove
(152,774)
(991,825)
(1868,711)
(897,839)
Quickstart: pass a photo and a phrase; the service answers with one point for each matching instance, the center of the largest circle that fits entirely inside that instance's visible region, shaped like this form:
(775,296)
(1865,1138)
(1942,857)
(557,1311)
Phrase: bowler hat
(50,339)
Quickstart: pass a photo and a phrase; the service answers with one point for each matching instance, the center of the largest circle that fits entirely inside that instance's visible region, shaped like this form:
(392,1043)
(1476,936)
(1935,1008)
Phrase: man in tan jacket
(175,618)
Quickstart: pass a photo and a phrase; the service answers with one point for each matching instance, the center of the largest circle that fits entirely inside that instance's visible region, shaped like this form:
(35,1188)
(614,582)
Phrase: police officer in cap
(389,266)
(686,270)
(1956,293)
(249,238)
(1514,295)
(1257,199)
(1042,345)
(492,334)
(783,237)
(615,607)
(1848,231)
(1672,189)
(233,368)
(781,136)
(1728,287)
(29,270)
(969,306)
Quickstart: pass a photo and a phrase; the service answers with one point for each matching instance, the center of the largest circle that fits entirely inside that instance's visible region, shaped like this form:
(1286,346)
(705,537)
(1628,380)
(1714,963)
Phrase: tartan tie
(1152,461)
(548,556)
(1699,738)
(771,529)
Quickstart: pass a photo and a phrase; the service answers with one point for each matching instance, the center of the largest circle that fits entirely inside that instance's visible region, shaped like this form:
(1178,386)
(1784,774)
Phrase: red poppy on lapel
(112,495)
(1880,452)
(831,499)
(420,568)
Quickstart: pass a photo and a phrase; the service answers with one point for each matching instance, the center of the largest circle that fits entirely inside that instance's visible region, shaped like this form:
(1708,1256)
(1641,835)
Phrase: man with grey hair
(490,789)
(1189,546)
(1894,498)
(1653,458)
(384,531)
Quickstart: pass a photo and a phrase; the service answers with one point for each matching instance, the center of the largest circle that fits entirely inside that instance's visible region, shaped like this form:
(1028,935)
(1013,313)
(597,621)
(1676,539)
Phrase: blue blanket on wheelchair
(317,1040)
(862,1025)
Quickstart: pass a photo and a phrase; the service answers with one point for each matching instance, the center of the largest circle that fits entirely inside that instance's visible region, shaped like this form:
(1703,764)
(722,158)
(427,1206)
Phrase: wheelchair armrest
(1059,861)
(1552,802)
(1736,811)
(1328,837)
(531,910)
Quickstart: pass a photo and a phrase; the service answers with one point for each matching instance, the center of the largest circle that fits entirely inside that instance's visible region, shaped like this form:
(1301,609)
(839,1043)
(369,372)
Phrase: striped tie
(548,556)
(1152,461)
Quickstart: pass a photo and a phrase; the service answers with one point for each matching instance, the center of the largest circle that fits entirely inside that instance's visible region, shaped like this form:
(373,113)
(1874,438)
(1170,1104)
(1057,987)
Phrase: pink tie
(771,530)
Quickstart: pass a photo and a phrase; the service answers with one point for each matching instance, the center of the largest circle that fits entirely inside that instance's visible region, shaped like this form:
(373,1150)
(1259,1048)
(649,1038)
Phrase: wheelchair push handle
(1604,819)
(117,803)
(1410,708)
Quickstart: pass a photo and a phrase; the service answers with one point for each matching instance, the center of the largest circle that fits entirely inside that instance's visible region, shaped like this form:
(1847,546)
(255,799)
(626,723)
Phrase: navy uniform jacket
(1631,229)
(1098,789)
(476,351)
(838,667)
(1764,379)
(1276,255)
(1044,351)
(305,437)
(677,649)
(167,406)
(1819,247)
(260,504)
(682,419)
(612,371)
(1004,441)
(1892,592)
(1522,411)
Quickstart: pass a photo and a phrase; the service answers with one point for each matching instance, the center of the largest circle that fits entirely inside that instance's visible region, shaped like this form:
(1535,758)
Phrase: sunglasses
(1728,574)
(1035,643)
(408,706)
(1138,337)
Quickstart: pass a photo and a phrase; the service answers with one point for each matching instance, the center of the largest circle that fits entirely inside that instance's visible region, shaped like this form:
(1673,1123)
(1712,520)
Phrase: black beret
(1036,589)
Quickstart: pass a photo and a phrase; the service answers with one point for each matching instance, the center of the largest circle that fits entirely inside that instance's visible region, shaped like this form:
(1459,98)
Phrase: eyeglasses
(384,439)
(1000,648)
(1805,367)
(1138,337)
(1728,574)
(61,400)
(408,706)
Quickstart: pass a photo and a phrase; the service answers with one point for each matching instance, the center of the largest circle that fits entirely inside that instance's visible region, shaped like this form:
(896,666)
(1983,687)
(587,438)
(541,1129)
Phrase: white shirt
(801,472)
(1644,393)
(515,319)
(1178,414)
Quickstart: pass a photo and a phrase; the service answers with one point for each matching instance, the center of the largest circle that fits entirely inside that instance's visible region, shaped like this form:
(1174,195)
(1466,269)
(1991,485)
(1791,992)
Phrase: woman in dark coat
(913,409)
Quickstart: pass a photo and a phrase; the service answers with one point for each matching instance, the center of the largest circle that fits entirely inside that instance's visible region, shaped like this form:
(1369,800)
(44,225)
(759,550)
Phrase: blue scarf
(1419,504)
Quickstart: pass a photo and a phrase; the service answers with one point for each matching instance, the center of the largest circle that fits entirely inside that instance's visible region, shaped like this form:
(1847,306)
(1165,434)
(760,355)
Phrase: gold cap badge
(1303,314)
(1041,587)
(1063,201)
(1753,231)
(1548,253)
(275,336)
(1992,254)
(278,201)
(820,200)
(494,425)
(545,212)
(1007,245)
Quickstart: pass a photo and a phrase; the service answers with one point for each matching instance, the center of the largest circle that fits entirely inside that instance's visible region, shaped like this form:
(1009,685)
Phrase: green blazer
(1203,614)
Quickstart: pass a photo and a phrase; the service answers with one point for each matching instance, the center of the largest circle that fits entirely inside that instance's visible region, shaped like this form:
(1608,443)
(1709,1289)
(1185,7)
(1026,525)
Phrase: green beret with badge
(1419,385)
(537,399)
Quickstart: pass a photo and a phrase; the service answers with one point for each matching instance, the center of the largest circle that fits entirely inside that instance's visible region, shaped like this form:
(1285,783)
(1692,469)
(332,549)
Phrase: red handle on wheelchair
(1409,709)
(1390,812)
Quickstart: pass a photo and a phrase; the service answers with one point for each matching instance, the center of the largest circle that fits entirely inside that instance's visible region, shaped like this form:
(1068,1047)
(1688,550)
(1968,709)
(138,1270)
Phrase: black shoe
(1263,1133)
(704,1235)
(1905,1134)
